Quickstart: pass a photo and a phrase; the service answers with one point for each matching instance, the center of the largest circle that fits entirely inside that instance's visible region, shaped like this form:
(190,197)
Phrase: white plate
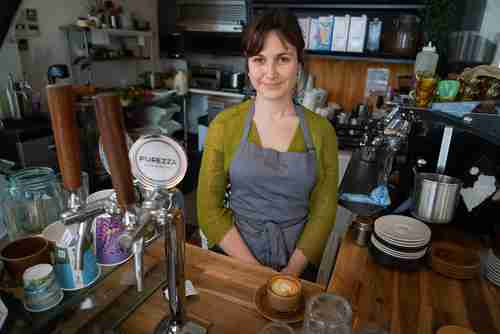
(403,229)
(400,255)
(493,269)
(493,258)
(402,244)
(493,280)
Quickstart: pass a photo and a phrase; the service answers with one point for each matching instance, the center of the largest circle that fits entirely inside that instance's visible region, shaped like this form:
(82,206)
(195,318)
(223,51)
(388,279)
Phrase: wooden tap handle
(111,125)
(66,133)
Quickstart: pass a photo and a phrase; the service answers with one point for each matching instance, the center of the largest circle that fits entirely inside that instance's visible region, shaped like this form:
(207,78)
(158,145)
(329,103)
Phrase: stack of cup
(41,289)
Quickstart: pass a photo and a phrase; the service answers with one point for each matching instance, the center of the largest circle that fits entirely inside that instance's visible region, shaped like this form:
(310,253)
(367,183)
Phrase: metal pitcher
(436,197)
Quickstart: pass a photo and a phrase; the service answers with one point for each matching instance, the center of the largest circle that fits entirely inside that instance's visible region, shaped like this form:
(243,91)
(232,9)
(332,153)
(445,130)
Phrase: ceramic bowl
(284,293)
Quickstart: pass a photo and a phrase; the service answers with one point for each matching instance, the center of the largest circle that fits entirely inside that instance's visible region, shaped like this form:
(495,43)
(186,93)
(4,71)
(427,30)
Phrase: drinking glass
(328,313)
(82,192)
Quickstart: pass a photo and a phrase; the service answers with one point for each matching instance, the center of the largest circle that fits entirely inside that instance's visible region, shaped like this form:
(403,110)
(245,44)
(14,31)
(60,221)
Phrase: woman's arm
(215,221)
(323,201)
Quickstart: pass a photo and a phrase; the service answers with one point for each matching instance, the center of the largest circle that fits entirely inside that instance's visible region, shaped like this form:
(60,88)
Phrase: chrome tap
(158,164)
(83,215)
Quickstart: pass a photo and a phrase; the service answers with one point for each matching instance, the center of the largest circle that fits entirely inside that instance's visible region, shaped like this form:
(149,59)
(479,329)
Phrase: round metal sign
(158,161)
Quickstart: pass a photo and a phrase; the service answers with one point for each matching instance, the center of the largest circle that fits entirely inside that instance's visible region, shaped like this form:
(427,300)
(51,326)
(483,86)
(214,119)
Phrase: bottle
(426,62)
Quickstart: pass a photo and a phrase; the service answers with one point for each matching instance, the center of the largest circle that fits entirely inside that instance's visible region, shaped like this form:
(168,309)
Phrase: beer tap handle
(66,133)
(112,129)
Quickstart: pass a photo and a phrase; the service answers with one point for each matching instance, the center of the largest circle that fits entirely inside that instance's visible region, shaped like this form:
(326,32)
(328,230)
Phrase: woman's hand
(233,245)
(296,264)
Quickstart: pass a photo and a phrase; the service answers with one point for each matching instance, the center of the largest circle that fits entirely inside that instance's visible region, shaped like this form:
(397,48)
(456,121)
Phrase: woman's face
(273,72)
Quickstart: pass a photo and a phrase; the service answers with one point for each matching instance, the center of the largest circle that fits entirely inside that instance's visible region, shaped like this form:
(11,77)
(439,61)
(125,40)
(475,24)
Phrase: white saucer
(400,255)
(403,229)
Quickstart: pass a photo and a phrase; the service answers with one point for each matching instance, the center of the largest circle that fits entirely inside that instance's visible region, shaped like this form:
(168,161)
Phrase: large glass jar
(33,200)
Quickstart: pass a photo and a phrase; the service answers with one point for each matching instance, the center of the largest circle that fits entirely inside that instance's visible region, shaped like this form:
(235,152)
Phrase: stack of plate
(399,240)
(454,261)
(492,268)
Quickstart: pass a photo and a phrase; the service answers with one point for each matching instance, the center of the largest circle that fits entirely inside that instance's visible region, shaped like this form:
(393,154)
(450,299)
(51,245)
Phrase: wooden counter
(412,302)
(225,303)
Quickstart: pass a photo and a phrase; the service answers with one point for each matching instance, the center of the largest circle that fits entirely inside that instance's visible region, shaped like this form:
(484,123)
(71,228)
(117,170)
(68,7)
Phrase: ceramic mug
(41,289)
(284,293)
(23,253)
(64,256)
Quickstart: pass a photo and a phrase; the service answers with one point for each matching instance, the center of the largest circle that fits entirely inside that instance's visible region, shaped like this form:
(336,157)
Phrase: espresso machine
(157,163)
(372,163)
(442,139)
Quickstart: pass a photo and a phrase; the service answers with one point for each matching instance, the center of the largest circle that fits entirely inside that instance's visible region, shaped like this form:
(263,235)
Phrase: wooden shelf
(113,32)
(366,57)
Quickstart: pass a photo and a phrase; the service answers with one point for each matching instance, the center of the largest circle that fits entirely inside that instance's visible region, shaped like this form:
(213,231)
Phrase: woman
(280,160)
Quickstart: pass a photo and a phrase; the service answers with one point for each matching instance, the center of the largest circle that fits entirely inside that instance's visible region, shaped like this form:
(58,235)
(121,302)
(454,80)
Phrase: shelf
(339,6)
(121,59)
(112,32)
(367,57)
(216,93)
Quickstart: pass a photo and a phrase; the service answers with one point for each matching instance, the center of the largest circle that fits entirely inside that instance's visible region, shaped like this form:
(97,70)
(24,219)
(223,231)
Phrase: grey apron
(270,193)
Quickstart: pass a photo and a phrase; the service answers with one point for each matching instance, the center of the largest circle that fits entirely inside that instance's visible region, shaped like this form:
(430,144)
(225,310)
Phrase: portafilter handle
(66,134)
(112,129)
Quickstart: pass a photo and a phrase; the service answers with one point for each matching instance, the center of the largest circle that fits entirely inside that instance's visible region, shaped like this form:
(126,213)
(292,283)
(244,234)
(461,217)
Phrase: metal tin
(361,232)
(158,162)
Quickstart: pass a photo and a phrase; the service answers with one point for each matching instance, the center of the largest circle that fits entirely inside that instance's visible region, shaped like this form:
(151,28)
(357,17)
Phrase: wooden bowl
(284,293)
(24,253)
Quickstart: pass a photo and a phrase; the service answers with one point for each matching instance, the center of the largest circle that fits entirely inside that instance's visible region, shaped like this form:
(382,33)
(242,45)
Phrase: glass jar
(33,200)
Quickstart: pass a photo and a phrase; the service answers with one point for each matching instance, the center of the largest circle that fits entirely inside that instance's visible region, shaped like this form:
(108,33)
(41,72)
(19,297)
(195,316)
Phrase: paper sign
(190,290)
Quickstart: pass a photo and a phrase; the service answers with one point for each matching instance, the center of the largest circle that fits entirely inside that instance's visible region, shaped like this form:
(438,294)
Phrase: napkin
(483,188)
(378,196)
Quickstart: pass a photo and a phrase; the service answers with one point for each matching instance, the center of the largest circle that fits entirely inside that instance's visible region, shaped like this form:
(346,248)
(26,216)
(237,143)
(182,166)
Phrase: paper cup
(108,230)
(65,259)
(41,289)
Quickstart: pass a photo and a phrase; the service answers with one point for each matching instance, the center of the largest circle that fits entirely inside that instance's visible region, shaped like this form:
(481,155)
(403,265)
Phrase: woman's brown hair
(283,22)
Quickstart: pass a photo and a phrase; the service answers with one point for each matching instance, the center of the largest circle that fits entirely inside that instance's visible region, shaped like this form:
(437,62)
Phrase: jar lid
(158,162)
(429,48)
(32,178)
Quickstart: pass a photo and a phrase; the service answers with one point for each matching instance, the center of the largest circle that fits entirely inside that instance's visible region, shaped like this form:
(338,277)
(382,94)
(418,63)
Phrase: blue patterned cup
(108,230)
(64,258)
(41,289)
